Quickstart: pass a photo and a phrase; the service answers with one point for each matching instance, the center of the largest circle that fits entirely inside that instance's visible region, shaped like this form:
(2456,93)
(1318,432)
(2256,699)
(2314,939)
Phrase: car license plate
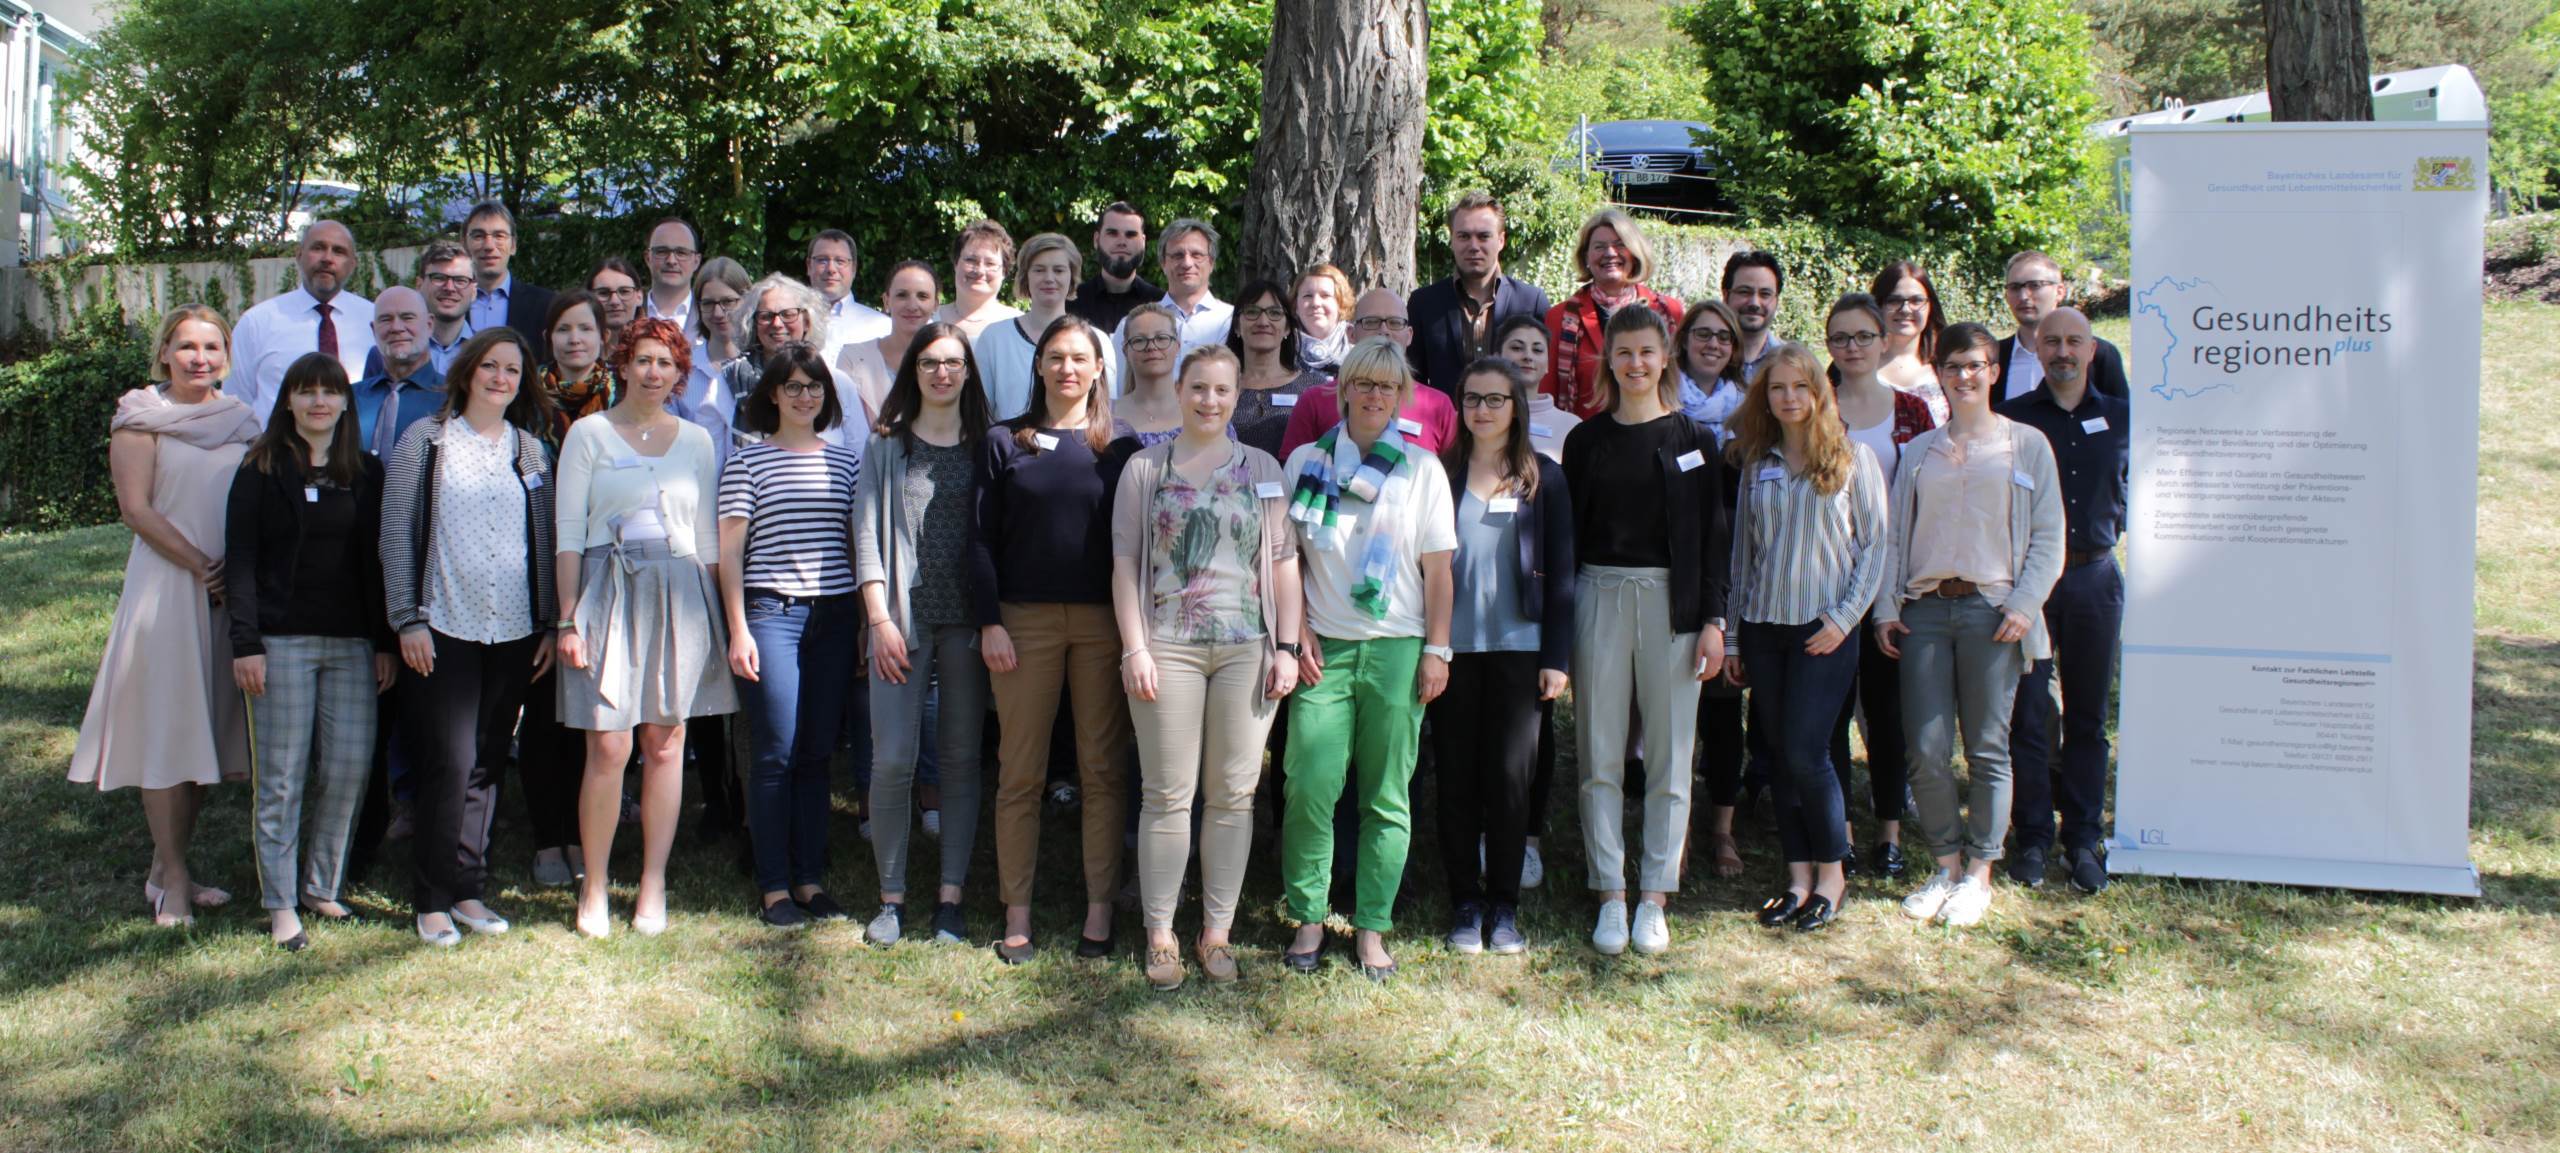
(1644,178)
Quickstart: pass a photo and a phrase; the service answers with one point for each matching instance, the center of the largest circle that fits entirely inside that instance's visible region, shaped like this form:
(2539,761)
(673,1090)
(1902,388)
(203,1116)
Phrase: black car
(1663,164)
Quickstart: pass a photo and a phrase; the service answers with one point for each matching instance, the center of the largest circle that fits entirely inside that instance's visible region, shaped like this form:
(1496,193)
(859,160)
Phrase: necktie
(328,333)
(386,422)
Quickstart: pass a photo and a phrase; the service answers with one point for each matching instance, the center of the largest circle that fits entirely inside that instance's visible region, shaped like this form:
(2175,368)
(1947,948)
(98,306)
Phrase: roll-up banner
(2305,371)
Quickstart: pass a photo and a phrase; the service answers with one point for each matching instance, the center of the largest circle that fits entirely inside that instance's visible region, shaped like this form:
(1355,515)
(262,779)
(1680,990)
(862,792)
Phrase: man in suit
(2034,289)
(490,235)
(1454,319)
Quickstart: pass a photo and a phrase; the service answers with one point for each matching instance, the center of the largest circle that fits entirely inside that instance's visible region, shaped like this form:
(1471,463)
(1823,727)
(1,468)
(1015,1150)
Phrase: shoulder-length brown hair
(1930,325)
(1701,309)
(1097,400)
(530,410)
(281,446)
(1756,429)
(906,393)
(1519,457)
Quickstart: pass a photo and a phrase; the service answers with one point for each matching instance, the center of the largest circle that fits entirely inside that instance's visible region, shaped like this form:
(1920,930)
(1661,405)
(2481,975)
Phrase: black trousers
(551,763)
(2085,614)
(1880,690)
(456,723)
(1484,734)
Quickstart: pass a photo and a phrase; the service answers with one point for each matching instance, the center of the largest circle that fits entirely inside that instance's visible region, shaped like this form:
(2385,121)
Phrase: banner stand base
(2442,880)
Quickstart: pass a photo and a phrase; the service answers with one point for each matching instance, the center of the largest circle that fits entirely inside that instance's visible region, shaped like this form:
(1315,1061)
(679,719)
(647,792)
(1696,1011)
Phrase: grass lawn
(2180,1015)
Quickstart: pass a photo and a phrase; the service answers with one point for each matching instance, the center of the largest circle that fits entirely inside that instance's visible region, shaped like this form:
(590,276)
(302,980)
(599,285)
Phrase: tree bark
(2318,67)
(1337,171)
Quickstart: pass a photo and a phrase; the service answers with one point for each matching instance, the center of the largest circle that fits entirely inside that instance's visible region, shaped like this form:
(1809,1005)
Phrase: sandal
(1728,854)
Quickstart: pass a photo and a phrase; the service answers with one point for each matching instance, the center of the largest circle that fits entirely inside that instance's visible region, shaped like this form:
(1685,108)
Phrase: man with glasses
(1454,319)
(833,260)
(675,251)
(489,236)
(1752,281)
(1429,419)
(2034,289)
(1119,244)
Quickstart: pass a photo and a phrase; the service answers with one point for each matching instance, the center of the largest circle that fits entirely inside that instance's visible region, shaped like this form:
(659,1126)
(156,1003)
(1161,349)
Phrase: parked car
(1660,164)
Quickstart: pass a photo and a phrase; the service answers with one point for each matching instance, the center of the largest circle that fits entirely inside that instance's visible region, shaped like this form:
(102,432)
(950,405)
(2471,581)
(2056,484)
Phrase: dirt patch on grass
(2521,259)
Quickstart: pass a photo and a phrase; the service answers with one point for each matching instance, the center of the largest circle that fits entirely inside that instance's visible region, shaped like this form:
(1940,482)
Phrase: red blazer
(1575,356)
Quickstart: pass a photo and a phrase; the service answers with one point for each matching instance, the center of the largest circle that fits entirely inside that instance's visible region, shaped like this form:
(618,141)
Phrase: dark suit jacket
(527,306)
(1439,350)
(2106,372)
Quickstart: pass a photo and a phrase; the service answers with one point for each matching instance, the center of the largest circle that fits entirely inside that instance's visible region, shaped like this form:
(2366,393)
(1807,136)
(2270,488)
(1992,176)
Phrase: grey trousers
(1953,672)
(313,737)
(897,732)
(1201,738)
(1623,651)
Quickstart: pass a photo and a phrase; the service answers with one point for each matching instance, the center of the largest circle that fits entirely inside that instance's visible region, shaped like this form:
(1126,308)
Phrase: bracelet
(566,624)
(880,622)
(1124,657)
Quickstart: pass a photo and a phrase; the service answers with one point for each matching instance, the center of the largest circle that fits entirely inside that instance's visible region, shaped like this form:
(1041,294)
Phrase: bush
(54,410)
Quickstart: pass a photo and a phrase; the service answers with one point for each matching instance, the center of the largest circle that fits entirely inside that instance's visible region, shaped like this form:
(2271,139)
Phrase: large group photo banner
(2305,371)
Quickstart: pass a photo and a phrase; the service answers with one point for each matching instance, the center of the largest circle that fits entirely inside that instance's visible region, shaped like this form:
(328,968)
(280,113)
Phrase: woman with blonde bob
(1204,580)
(1614,259)
(1808,554)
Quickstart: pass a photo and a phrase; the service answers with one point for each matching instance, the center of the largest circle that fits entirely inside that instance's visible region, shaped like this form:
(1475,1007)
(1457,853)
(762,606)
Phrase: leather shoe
(1890,861)
(1817,913)
(1849,862)
(1775,911)
(1306,962)
(1091,949)
(1015,954)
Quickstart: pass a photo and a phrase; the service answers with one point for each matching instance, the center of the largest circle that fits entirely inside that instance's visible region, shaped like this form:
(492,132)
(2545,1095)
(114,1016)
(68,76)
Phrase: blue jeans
(1795,698)
(2085,614)
(808,651)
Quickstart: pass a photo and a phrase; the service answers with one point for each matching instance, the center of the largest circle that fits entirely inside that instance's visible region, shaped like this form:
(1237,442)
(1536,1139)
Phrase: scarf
(571,401)
(1326,354)
(217,420)
(1374,477)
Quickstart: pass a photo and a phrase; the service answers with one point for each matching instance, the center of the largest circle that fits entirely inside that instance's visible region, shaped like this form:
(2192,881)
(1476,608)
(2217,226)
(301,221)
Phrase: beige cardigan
(1133,530)
(2035,531)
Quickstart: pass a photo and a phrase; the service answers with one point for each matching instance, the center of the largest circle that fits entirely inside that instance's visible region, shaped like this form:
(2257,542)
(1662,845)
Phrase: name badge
(1691,460)
(1045,441)
(1284,400)
(1540,430)
(1502,505)
(1270,490)
(311,493)
(532,481)
(2022,480)
(1773,472)
(629,462)
(2095,424)
(1408,426)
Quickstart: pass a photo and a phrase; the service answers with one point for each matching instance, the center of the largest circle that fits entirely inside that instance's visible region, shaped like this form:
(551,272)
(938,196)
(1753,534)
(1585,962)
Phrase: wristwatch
(565,623)
(1441,651)
(1295,650)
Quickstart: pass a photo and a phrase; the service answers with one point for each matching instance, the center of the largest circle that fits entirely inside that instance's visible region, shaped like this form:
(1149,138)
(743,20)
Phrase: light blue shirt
(489,305)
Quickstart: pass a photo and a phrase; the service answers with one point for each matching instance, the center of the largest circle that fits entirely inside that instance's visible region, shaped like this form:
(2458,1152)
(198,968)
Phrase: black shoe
(949,926)
(1817,913)
(2027,868)
(1378,973)
(824,907)
(1849,862)
(1306,962)
(1504,937)
(1775,911)
(2088,870)
(1889,861)
(297,943)
(784,914)
(1091,949)
(1466,929)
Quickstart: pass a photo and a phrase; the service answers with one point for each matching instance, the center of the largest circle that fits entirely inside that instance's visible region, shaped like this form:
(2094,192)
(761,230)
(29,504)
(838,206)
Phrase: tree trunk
(1337,172)
(2317,63)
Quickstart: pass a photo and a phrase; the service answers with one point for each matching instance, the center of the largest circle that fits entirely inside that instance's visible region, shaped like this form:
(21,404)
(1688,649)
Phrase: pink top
(1961,529)
(1319,409)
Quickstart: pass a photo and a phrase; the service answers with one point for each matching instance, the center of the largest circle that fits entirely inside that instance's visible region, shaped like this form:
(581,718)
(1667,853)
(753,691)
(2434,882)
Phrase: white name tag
(1773,472)
(2094,424)
(1045,441)
(1692,460)
(2022,480)
(1408,426)
(532,481)
(1284,400)
(1540,430)
(1270,490)
(1502,505)
(311,493)
(629,462)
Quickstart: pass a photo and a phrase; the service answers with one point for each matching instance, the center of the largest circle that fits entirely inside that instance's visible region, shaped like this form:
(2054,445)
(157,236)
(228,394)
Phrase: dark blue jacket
(1439,350)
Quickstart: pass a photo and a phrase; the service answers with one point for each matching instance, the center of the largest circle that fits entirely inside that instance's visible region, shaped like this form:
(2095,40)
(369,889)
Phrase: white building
(37,41)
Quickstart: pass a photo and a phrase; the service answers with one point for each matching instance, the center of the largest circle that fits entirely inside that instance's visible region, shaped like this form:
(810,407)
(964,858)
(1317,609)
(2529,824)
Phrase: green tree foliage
(1959,120)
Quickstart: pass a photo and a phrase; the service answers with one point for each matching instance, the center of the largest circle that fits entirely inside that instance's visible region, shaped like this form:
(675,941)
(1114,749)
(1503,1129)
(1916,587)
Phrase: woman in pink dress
(164,715)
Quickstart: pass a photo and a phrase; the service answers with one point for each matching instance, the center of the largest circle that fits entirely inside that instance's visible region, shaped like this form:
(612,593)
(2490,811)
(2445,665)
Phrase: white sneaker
(1653,930)
(885,928)
(1924,905)
(1610,935)
(933,823)
(1971,901)
(1532,870)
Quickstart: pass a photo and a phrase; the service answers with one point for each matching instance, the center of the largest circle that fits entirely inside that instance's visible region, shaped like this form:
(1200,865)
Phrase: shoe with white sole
(1610,935)
(1968,904)
(1924,905)
(1653,930)
(887,926)
(1533,871)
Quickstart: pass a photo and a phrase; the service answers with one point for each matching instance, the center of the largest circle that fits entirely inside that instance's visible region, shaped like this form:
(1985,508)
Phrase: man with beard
(316,315)
(2034,288)
(1119,244)
(1751,283)
(2085,612)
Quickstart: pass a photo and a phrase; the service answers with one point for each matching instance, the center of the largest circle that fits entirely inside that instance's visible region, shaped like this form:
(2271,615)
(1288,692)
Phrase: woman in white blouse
(641,634)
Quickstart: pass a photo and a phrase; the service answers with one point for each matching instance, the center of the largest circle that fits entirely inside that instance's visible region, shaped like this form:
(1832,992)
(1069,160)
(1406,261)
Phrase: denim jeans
(1795,697)
(1952,671)
(808,650)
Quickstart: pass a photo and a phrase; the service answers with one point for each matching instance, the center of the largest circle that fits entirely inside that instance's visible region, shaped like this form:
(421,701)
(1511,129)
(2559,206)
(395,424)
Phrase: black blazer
(1701,540)
(262,535)
(1545,563)
(2106,371)
(527,306)
(1439,350)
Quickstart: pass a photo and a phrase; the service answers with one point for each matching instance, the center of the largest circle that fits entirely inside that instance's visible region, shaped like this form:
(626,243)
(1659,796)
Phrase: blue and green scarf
(1376,477)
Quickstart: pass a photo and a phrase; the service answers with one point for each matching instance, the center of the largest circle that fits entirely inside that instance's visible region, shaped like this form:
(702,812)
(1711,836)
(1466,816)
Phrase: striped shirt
(799,512)
(1798,554)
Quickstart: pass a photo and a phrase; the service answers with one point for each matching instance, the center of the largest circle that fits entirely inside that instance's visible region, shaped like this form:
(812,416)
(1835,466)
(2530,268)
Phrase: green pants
(1366,710)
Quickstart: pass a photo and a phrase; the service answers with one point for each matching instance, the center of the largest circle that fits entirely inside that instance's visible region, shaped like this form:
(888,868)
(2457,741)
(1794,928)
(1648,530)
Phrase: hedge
(54,410)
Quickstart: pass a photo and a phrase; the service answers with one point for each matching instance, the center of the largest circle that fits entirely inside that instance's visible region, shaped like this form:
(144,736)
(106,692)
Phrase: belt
(1954,588)
(2074,558)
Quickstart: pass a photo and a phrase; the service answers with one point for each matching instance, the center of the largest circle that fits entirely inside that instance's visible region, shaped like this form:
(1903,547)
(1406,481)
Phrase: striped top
(799,512)
(1798,554)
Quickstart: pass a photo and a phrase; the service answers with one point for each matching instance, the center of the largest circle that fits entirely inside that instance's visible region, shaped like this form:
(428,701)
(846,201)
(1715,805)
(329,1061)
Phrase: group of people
(481,524)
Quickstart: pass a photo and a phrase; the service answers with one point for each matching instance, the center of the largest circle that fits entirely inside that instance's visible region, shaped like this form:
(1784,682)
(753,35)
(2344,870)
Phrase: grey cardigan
(2035,531)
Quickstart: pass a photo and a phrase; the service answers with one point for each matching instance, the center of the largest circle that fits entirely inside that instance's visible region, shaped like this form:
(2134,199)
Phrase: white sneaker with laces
(885,928)
(1610,935)
(1968,905)
(1532,870)
(1924,905)
(1653,930)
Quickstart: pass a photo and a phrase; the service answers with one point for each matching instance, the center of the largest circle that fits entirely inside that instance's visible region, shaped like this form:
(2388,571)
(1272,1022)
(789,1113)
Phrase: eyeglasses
(448,280)
(1906,301)
(1382,324)
(1495,401)
(1366,386)
(1264,312)
(780,315)
(1966,367)
(616,293)
(2016,286)
(802,389)
(1850,339)
(664,252)
(983,263)
(938,365)
(1150,343)
(830,262)
(497,234)
(1704,335)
